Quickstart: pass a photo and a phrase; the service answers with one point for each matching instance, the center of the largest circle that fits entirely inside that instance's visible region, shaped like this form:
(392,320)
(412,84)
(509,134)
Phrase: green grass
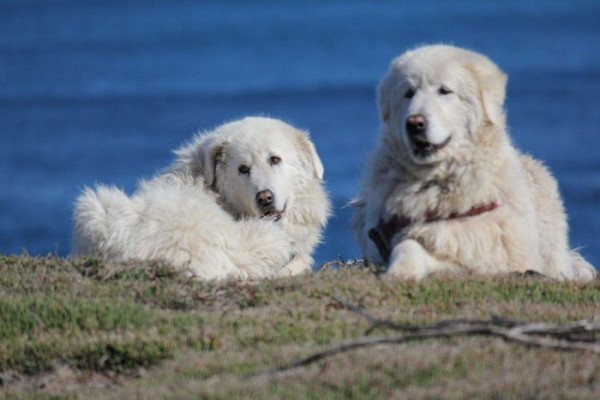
(82,329)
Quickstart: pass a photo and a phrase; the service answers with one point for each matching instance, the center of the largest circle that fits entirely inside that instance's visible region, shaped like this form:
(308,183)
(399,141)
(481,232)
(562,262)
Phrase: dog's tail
(92,217)
(584,271)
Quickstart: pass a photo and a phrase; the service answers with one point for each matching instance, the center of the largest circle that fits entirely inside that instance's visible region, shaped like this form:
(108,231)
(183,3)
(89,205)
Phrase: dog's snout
(416,124)
(265,198)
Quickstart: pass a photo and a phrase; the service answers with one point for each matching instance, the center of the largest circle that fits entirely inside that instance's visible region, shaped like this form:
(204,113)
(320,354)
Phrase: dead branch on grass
(579,336)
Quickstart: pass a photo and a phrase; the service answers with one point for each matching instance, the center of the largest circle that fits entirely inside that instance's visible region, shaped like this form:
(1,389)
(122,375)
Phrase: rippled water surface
(101,91)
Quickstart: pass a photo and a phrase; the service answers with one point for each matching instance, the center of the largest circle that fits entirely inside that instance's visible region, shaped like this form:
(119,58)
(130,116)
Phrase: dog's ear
(388,87)
(309,154)
(384,95)
(211,156)
(492,88)
(201,156)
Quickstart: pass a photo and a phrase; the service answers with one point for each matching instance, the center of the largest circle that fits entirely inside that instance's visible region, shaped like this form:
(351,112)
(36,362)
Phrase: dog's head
(436,99)
(256,165)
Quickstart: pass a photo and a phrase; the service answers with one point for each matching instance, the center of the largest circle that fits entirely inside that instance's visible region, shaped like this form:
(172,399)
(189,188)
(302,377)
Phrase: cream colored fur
(201,214)
(478,166)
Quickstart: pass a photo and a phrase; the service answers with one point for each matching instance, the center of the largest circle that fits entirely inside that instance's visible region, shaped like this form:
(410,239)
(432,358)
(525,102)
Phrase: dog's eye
(444,90)
(244,169)
(274,160)
(409,93)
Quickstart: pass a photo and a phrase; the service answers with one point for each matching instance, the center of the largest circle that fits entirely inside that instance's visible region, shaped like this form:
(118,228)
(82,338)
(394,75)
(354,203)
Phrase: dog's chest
(417,201)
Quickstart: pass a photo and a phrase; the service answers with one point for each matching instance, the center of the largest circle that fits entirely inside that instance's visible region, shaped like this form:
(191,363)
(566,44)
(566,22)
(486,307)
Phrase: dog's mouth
(424,148)
(273,214)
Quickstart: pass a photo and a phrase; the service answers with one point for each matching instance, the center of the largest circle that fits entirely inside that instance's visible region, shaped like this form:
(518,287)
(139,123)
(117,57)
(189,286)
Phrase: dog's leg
(582,269)
(300,264)
(262,249)
(409,260)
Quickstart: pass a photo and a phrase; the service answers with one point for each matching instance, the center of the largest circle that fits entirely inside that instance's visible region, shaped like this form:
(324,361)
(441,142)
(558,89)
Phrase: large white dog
(245,201)
(445,189)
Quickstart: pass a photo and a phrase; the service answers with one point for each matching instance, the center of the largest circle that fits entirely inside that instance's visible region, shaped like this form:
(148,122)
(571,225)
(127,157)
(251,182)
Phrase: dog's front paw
(299,264)
(410,260)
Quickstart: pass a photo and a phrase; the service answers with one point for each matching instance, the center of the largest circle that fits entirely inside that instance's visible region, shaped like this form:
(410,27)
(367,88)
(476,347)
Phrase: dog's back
(552,225)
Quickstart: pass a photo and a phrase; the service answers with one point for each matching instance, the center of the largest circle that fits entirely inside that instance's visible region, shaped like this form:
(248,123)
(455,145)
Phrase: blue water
(101,91)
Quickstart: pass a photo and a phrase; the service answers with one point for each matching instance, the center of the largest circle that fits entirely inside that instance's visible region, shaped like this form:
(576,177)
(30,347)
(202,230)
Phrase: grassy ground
(85,330)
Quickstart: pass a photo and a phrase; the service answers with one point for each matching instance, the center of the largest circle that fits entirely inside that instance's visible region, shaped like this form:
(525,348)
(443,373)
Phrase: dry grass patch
(83,329)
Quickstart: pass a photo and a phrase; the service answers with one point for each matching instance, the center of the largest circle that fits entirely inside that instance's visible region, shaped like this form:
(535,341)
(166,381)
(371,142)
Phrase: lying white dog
(445,189)
(245,201)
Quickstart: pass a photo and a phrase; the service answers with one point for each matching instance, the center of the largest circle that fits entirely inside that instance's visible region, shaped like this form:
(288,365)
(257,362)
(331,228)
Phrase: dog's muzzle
(416,129)
(265,200)
(424,148)
(273,215)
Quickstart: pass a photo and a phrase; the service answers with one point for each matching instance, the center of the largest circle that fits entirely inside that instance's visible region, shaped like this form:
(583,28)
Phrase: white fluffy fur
(201,214)
(478,166)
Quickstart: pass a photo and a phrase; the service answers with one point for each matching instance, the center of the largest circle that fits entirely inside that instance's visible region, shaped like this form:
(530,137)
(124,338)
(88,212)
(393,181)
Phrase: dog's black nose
(416,125)
(265,198)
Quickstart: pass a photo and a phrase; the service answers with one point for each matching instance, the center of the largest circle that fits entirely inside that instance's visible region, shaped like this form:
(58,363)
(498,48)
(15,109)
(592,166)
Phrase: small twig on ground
(550,336)
(341,263)
(375,322)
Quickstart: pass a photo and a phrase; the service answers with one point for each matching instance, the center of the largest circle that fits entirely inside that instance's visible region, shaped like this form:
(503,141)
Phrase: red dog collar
(383,233)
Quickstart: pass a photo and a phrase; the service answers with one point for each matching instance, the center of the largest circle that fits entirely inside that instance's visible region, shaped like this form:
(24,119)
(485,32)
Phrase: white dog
(445,189)
(244,201)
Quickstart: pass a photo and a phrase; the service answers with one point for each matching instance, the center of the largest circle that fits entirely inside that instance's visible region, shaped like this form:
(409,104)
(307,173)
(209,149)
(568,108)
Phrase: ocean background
(102,91)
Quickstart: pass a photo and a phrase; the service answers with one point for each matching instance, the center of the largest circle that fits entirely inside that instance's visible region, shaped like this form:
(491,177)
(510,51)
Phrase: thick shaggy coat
(244,201)
(445,189)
